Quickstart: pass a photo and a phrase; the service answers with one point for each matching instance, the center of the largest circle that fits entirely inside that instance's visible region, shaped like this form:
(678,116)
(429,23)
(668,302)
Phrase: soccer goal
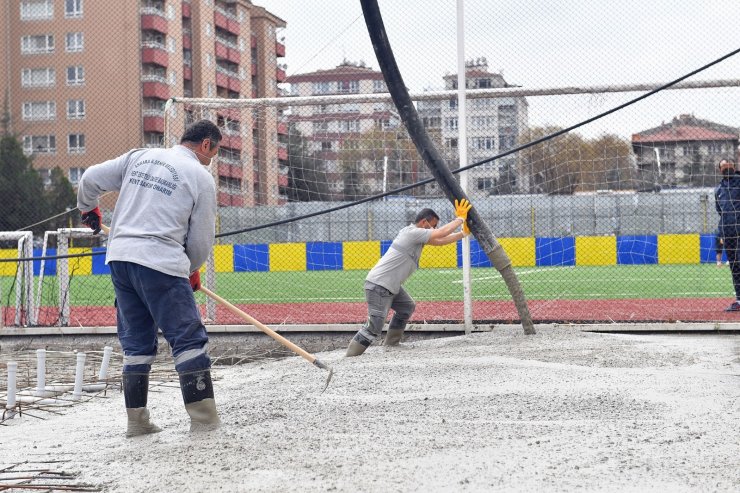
(22,273)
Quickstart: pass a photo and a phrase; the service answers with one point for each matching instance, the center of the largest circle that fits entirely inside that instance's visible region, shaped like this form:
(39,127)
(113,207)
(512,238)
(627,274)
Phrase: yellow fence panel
(439,256)
(287,257)
(596,250)
(678,249)
(361,254)
(521,251)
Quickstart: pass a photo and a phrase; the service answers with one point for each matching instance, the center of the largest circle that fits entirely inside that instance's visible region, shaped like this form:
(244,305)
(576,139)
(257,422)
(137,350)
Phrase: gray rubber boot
(203,415)
(135,391)
(139,423)
(197,394)
(393,337)
(355,348)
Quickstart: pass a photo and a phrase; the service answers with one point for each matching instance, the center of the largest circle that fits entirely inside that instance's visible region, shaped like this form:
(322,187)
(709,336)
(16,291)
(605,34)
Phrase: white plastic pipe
(103,375)
(79,374)
(41,372)
(12,372)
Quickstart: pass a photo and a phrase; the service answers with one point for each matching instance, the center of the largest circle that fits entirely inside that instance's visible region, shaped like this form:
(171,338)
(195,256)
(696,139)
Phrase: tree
(21,188)
(307,180)
(571,163)
(25,200)
(60,197)
(363,156)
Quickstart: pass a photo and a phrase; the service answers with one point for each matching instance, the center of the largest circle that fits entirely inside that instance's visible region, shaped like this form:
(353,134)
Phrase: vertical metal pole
(79,375)
(63,277)
(462,133)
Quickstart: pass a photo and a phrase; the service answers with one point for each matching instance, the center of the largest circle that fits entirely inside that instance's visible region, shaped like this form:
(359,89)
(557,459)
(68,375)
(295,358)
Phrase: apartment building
(87,80)
(326,128)
(494,125)
(683,152)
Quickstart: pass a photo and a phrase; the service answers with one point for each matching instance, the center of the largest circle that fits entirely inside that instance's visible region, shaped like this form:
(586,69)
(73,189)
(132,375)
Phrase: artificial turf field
(539,283)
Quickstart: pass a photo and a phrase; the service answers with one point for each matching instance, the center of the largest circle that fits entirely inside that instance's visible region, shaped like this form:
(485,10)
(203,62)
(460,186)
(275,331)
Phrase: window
(75,76)
(714,148)
(326,146)
(72,8)
(432,122)
(507,114)
(485,183)
(506,142)
(485,143)
(322,126)
(45,176)
(37,10)
(74,42)
(349,86)
(349,125)
(153,139)
(451,123)
(379,86)
(75,109)
(41,43)
(482,121)
(451,143)
(75,174)
(39,110)
(350,108)
(453,104)
(39,144)
(37,77)
(321,87)
(76,143)
(484,83)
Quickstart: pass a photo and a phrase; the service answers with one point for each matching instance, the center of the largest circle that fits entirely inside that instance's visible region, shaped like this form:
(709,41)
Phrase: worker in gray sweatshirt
(161,233)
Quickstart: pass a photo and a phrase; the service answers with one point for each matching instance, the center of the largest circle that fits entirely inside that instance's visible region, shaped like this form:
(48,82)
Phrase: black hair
(427,214)
(200,131)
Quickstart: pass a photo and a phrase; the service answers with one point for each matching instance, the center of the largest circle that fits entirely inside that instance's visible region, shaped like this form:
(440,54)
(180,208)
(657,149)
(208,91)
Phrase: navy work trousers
(147,299)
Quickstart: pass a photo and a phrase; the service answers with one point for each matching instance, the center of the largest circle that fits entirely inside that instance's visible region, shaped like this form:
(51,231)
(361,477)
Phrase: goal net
(312,190)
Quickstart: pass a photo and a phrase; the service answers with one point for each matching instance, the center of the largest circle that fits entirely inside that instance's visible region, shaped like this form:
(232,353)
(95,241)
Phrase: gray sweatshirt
(401,259)
(165,216)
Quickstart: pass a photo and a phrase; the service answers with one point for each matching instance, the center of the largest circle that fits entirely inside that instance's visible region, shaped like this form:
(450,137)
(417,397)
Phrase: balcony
(227,81)
(187,41)
(187,72)
(283,180)
(155,55)
(279,49)
(226,199)
(253,41)
(155,89)
(229,171)
(154,22)
(226,20)
(226,50)
(187,11)
(282,153)
(282,128)
(153,123)
(280,74)
(232,142)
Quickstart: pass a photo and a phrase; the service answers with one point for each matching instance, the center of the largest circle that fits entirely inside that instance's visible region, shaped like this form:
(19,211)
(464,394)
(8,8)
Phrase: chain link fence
(612,220)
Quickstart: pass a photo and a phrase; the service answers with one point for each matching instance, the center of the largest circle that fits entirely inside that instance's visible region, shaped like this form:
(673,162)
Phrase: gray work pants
(379,302)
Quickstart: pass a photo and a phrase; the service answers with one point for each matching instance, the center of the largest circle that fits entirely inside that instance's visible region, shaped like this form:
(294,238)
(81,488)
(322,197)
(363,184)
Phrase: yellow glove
(466,229)
(462,207)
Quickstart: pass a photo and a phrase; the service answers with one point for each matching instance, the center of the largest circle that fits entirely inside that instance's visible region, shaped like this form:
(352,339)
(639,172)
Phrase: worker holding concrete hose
(161,233)
(383,284)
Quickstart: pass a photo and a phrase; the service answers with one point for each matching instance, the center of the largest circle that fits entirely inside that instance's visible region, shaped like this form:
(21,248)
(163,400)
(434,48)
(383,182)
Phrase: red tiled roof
(683,133)
(340,72)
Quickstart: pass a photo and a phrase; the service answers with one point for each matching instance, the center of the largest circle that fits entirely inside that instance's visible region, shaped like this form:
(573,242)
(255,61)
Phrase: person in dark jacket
(727,202)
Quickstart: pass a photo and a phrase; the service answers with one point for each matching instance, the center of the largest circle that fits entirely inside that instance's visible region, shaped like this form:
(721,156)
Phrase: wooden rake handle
(282,340)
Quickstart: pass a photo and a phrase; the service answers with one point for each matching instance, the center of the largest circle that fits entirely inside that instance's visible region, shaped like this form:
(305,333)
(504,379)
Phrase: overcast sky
(538,43)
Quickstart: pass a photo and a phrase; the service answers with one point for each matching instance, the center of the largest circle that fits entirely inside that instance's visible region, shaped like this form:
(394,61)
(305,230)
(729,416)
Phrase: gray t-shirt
(401,260)
(165,217)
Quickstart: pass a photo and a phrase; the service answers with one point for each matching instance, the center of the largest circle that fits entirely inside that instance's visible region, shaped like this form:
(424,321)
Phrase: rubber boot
(356,348)
(135,391)
(393,337)
(197,394)
(138,422)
